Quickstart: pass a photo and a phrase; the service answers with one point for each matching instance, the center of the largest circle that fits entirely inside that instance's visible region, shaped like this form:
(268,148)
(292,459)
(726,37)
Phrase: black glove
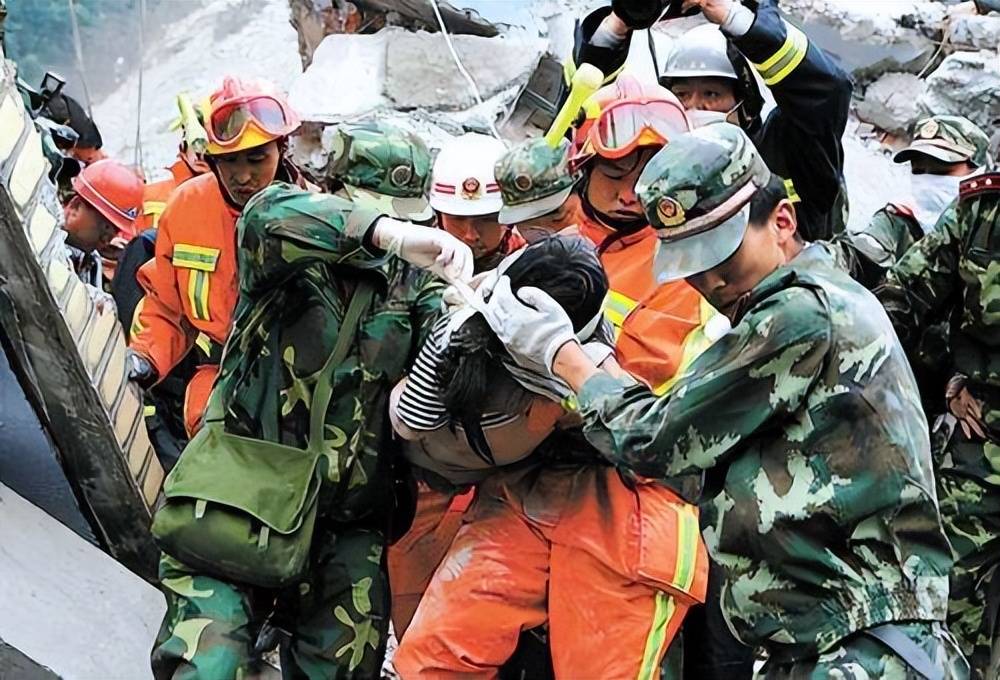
(640,14)
(140,370)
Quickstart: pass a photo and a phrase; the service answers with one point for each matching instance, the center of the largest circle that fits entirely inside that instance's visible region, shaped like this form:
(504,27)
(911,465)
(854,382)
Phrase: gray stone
(890,103)
(966,84)
(66,605)
(420,72)
(975,32)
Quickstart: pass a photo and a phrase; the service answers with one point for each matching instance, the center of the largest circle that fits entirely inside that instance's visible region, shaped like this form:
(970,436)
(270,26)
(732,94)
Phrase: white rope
(461,66)
(138,111)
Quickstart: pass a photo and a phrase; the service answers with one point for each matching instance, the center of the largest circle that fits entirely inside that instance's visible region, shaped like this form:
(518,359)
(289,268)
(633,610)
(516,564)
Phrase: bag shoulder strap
(323,390)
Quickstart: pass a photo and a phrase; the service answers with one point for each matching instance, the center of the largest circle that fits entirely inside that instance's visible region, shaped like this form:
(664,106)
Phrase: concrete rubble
(966,84)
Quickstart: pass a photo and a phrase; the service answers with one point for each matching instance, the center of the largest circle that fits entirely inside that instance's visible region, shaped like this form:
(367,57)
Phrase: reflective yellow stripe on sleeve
(786,59)
(195,257)
(198,294)
(136,327)
(695,343)
(793,195)
(154,208)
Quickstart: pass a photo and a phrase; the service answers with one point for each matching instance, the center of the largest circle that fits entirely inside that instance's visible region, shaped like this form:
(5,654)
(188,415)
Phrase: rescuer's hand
(529,323)
(140,370)
(433,249)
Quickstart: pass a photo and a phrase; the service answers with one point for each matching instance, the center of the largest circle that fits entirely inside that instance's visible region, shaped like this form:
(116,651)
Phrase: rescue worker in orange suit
(154,201)
(561,543)
(105,203)
(714,71)
(466,201)
(190,284)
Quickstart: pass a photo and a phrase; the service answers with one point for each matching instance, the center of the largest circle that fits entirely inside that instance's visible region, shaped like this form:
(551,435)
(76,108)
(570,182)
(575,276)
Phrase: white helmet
(701,52)
(463,181)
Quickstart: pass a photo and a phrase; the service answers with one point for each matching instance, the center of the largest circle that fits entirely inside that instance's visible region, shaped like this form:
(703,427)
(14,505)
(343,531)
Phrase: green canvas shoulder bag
(244,509)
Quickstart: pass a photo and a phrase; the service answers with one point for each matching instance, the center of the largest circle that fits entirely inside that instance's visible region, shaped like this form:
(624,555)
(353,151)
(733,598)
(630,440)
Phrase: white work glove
(531,325)
(432,249)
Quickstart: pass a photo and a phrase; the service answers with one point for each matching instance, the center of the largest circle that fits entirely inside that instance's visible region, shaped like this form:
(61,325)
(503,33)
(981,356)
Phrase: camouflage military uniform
(959,265)
(299,255)
(818,498)
(385,167)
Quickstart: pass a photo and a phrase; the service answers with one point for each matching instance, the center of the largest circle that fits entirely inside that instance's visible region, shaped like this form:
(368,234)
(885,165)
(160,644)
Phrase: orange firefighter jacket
(659,328)
(155,195)
(190,283)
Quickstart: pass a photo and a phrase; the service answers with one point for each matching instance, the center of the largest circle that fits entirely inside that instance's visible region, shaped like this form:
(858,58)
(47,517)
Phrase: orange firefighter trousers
(611,568)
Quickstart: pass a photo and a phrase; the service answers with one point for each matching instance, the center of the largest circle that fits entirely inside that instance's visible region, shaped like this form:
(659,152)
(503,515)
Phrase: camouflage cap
(384,167)
(696,193)
(534,180)
(952,139)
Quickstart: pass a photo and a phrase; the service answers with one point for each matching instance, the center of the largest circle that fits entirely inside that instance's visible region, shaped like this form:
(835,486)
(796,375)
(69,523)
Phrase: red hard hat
(114,190)
(243,114)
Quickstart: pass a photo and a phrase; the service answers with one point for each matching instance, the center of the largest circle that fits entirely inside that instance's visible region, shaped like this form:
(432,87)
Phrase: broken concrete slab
(872,38)
(966,84)
(975,32)
(890,103)
(420,72)
(345,79)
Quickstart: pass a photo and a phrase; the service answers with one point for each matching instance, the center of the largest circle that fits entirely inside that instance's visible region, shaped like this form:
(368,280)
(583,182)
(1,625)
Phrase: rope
(461,67)
(138,112)
(78,48)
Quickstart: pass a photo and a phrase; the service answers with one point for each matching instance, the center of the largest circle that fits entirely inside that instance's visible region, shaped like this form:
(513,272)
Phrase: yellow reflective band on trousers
(695,343)
(204,344)
(662,613)
(688,535)
(617,307)
(197,290)
(786,59)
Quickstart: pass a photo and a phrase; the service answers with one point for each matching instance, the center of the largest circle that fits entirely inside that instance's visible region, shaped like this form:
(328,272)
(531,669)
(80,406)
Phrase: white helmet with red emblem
(463,182)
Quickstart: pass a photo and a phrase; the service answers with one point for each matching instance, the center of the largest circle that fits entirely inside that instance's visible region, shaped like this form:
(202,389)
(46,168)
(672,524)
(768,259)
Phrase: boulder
(975,32)
(966,84)
(890,103)
(420,71)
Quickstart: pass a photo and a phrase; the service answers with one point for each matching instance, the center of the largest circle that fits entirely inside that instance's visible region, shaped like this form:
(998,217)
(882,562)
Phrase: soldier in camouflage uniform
(299,257)
(944,150)
(958,265)
(818,497)
(384,166)
(537,187)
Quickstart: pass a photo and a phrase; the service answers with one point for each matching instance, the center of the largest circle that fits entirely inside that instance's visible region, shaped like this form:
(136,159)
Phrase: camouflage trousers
(861,657)
(970,511)
(336,618)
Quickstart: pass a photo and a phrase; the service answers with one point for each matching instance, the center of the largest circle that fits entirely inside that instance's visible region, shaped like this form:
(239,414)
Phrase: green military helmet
(696,193)
(952,139)
(383,167)
(534,180)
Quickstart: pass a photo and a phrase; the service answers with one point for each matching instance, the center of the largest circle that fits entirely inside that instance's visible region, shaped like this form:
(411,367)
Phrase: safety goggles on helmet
(230,121)
(627,125)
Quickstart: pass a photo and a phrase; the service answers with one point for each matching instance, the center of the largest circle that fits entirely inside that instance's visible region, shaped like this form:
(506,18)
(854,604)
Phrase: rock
(872,38)
(890,103)
(420,72)
(975,32)
(329,92)
(966,84)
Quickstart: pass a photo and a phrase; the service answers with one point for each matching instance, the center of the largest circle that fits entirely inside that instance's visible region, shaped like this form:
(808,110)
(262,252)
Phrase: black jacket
(801,138)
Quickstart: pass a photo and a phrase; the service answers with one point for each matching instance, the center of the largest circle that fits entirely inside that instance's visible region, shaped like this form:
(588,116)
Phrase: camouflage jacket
(957,266)
(299,256)
(818,497)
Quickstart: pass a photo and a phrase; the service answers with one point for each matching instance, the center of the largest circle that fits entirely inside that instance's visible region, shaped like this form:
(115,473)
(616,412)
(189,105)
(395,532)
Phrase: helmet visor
(625,126)
(230,121)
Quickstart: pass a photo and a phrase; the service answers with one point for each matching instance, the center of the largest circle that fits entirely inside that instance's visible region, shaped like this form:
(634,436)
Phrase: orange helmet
(114,190)
(626,115)
(243,114)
